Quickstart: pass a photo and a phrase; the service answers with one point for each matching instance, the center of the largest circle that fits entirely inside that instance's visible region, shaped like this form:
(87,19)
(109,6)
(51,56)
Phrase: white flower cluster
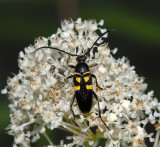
(40,97)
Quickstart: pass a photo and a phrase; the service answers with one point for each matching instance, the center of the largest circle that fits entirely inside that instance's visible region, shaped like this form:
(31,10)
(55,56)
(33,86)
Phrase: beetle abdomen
(84,101)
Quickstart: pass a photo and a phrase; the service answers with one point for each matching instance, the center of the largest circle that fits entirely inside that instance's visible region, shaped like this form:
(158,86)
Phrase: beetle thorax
(81,68)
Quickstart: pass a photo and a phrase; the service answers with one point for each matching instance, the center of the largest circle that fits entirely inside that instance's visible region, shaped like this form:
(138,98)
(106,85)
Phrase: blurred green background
(137,37)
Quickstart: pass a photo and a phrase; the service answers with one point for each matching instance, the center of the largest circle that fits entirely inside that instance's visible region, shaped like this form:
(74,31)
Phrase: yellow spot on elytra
(86,79)
(77,87)
(88,86)
(78,79)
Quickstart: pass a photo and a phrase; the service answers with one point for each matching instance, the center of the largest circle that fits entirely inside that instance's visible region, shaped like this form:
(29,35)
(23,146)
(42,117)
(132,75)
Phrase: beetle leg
(71,106)
(96,81)
(92,65)
(71,66)
(71,76)
(96,97)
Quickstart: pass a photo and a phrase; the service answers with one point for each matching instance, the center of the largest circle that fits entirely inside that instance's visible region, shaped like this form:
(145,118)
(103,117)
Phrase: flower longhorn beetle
(82,79)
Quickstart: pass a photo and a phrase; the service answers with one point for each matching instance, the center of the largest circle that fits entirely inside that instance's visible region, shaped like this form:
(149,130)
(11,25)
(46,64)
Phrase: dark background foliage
(137,37)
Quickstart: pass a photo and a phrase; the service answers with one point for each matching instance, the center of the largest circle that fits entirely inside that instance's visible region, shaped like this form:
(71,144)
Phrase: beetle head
(81,58)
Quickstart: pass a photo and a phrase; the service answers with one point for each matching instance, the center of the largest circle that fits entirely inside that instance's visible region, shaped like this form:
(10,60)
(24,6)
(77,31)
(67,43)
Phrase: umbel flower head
(40,97)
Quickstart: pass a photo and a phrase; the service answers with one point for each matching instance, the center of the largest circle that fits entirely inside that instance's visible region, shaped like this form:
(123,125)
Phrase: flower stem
(48,139)
(156,140)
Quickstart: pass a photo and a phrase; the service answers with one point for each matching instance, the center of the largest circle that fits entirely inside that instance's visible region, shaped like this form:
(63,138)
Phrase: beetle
(82,79)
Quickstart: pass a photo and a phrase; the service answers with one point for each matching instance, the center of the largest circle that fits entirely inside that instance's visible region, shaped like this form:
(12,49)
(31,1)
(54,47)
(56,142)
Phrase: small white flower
(101,69)
(4,91)
(101,22)
(126,104)
(112,117)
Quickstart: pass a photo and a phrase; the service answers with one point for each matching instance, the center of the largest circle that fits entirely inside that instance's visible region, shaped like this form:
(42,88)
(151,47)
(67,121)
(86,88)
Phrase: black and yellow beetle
(82,79)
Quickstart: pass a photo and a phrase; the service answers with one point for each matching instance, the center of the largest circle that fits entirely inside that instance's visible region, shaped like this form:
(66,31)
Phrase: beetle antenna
(87,53)
(55,49)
